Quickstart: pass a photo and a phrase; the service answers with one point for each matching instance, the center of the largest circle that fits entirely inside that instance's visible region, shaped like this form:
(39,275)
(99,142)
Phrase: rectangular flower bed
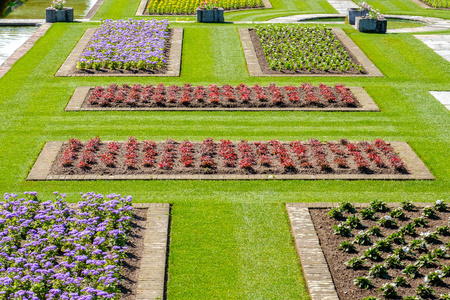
(381,252)
(184,7)
(225,159)
(51,250)
(126,48)
(225,97)
(294,50)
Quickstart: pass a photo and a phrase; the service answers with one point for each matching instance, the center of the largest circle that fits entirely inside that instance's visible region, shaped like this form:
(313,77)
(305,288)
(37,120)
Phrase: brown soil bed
(224,102)
(275,166)
(266,69)
(343,277)
(131,264)
(107,72)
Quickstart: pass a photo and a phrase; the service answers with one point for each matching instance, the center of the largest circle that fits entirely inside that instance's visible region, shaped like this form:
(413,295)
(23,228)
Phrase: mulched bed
(343,277)
(266,69)
(227,97)
(247,158)
(107,72)
(131,264)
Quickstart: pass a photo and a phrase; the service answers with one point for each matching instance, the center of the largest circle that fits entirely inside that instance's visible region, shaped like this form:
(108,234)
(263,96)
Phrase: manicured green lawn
(230,239)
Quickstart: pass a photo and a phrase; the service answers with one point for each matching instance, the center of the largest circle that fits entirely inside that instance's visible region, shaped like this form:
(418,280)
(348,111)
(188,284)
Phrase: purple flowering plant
(127,44)
(49,250)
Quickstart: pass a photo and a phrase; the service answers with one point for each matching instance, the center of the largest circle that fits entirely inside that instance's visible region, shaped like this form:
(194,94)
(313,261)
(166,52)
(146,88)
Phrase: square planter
(210,15)
(55,15)
(371,25)
(355,12)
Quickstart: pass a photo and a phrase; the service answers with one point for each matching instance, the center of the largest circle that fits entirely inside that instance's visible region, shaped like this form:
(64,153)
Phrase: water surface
(35,9)
(12,38)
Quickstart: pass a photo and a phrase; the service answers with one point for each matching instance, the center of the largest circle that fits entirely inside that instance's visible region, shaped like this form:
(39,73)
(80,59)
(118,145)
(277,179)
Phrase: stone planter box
(210,15)
(371,25)
(54,15)
(354,12)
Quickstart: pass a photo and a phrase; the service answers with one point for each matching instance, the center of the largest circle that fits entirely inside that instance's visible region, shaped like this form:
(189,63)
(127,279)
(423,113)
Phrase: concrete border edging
(312,260)
(152,272)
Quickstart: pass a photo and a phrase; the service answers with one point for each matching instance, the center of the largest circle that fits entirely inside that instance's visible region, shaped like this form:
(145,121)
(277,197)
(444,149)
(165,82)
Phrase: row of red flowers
(208,154)
(138,95)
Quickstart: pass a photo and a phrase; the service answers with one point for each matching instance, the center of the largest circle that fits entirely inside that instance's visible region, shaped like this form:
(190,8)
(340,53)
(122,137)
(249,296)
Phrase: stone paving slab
(152,273)
(418,170)
(173,61)
(342,6)
(80,94)
(443,97)
(22,50)
(439,43)
(254,68)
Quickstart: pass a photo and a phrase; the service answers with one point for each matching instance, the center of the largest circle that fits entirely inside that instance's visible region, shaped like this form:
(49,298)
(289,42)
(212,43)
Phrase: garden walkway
(439,43)
(433,24)
(443,97)
(342,5)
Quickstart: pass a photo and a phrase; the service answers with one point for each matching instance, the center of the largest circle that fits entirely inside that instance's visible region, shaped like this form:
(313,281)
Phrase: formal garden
(278,153)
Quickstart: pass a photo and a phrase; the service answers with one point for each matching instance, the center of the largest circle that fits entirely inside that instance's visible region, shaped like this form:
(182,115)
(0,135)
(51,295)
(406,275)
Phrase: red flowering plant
(227,152)
(109,157)
(282,154)
(319,153)
(149,148)
(131,147)
(277,96)
(346,95)
(168,155)
(70,152)
(327,92)
(208,149)
(88,154)
(199,93)
(186,150)
(246,155)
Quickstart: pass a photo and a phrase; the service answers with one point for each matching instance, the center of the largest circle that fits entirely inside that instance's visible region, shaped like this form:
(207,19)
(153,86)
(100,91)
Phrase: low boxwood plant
(378,271)
(434,278)
(363,238)
(441,252)
(384,245)
(347,207)
(408,229)
(393,261)
(398,213)
(440,205)
(443,230)
(347,246)
(444,297)
(411,270)
(335,213)
(356,262)
(388,290)
(429,212)
(424,291)
(375,231)
(368,213)
(408,205)
(420,222)
(401,281)
(342,229)
(373,254)
(363,282)
(378,205)
(387,221)
(353,221)
(427,260)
